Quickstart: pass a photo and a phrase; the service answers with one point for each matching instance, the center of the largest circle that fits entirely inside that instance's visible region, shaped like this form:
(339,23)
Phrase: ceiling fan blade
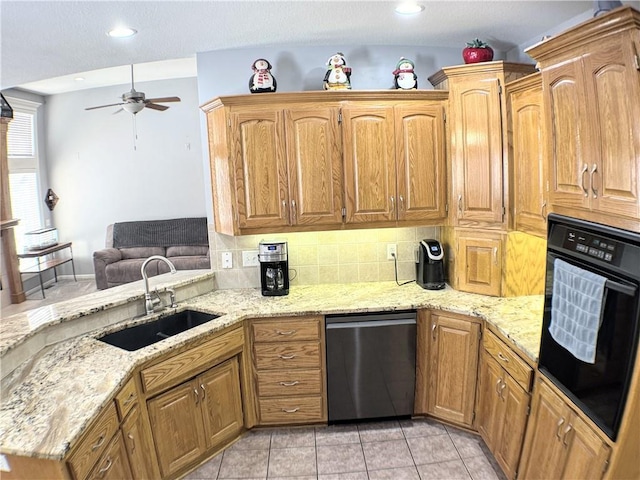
(154,106)
(163,99)
(103,106)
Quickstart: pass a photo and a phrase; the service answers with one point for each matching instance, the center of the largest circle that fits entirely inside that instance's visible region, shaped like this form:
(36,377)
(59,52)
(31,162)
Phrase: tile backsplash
(338,256)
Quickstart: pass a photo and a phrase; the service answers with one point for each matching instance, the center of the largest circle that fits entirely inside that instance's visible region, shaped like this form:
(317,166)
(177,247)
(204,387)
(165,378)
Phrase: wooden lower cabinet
(196,416)
(502,416)
(453,364)
(140,450)
(559,443)
(114,464)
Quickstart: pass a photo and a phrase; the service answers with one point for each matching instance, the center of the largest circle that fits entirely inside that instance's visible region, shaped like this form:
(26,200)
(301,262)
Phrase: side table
(48,258)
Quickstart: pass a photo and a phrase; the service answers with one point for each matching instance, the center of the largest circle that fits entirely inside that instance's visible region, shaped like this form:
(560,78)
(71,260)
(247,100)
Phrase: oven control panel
(591,245)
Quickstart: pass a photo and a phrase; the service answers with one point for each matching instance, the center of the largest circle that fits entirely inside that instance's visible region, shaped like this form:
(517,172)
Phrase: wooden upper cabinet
(527,155)
(421,169)
(478,138)
(591,89)
(260,167)
(370,165)
(479,262)
(314,154)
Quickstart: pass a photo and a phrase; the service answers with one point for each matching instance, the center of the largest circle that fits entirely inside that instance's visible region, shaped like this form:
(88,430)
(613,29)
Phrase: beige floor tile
(337,435)
(345,476)
(406,473)
(480,468)
(243,464)
(434,449)
(299,461)
(385,455)
(380,431)
(422,428)
(253,440)
(451,470)
(207,471)
(340,459)
(467,444)
(293,437)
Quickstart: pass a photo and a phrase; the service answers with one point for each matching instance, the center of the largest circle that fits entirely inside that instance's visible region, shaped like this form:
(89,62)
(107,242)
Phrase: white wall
(101,179)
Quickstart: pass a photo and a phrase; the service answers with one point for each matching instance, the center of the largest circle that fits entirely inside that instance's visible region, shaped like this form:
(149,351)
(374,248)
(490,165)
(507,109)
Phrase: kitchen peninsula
(51,399)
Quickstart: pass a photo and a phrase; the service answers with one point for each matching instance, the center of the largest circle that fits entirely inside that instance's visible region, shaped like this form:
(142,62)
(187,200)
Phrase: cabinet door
(420,154)
(544,453)
(529,166)
(370,164)
(586,454)
(176,423)
(453,363)
(491,408)
(568,131)
(113,465)
(479,265)
(476,150)
(613,110)
(260,168)
(315,166)
(221,402)
(139,447)
(515,401)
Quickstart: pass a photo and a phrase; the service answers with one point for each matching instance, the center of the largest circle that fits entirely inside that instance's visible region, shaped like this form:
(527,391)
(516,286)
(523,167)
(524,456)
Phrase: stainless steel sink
(134,338)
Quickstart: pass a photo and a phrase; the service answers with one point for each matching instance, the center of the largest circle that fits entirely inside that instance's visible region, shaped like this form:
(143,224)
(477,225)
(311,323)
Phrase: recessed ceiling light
(409,8)
(79,79)
(122,32)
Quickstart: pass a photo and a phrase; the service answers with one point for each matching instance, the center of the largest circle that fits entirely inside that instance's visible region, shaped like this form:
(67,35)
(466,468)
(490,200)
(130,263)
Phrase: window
(23,169)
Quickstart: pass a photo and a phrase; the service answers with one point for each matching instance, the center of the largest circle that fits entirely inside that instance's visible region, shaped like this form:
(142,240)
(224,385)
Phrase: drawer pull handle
(290,332)
(195,391)
(502,387)
(502,357)
(293,410)
(129,399)
(566,435)
(498,386)
(289,384)
(98,444)
(204,392)
(103,470)
(287,357)
(133,442)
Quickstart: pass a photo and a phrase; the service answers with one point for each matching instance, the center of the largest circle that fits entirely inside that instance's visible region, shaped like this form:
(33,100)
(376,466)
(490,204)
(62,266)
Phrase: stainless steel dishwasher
(371,365)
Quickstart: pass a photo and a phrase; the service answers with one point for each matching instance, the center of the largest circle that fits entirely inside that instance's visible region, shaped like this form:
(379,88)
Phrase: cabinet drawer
(195,360)
(287,355)
(287,329)
(94,443)
(514,365)
(275,383)
(126,398)
(291,410)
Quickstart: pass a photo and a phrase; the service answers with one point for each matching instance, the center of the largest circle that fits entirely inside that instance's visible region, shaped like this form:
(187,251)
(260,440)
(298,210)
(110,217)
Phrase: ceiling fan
(134,101)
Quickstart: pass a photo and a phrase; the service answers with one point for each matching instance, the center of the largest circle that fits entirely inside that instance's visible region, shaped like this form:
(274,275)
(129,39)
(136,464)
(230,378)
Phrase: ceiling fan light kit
(134,101)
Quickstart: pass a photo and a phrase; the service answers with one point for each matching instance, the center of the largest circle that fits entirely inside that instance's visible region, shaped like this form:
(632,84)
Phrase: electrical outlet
(227,259)
(392,249)
(250,258)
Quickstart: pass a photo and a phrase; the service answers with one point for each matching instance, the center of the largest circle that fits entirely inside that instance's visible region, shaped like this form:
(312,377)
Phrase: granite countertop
(49,400)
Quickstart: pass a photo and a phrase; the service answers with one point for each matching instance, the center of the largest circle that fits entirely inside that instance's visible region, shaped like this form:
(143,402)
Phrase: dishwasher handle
(373,323)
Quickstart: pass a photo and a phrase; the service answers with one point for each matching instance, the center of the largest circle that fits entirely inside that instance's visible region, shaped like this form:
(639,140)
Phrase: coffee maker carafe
(274,268)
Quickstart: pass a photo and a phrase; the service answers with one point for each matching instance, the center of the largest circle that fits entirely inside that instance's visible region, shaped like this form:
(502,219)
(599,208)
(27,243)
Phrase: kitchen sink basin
(134,338)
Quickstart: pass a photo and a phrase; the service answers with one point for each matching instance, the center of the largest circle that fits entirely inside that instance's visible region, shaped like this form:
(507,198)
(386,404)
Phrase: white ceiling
(42,40)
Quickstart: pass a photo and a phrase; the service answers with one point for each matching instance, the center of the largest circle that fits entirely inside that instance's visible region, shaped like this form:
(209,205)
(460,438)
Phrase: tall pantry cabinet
(591,91)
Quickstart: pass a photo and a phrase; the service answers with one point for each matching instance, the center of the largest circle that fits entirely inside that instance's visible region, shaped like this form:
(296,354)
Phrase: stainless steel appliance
(600,388)
(371,365)
(430,266)
(274,268)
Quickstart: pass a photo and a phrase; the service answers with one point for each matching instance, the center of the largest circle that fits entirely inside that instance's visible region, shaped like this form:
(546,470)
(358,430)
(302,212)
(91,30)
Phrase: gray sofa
(184,241)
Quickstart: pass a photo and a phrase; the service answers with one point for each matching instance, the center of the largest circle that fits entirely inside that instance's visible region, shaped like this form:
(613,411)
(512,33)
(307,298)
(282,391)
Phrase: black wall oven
(598,387)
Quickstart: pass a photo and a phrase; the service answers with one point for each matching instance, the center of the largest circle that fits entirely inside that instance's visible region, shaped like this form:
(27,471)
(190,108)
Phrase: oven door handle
(622,288)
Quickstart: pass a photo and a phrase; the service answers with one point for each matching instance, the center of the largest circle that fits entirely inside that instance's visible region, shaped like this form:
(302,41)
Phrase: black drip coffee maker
(274,268)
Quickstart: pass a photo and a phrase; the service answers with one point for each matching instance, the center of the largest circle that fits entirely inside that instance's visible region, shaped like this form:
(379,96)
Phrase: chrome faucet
(150,303)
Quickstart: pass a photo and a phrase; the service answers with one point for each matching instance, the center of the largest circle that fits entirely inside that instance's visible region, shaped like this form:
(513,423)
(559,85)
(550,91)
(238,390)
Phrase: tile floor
(418,449)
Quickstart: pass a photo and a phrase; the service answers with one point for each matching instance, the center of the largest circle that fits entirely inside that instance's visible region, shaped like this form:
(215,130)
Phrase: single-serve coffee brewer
(274,268)
(430,266)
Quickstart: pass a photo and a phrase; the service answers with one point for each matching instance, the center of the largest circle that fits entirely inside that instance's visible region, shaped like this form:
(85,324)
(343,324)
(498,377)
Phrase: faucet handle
(172,298)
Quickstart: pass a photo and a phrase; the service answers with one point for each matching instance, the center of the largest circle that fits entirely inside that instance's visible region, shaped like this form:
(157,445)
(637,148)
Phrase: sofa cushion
(126,271)
(186,250)
(186,263)
(141,252)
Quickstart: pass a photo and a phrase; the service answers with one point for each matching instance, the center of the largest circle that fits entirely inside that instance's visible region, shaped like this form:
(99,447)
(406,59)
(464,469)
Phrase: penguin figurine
(405,78)
(338,76)
(262,81)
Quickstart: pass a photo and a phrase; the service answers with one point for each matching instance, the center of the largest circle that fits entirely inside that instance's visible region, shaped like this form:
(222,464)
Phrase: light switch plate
(250,258)
(227,259)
